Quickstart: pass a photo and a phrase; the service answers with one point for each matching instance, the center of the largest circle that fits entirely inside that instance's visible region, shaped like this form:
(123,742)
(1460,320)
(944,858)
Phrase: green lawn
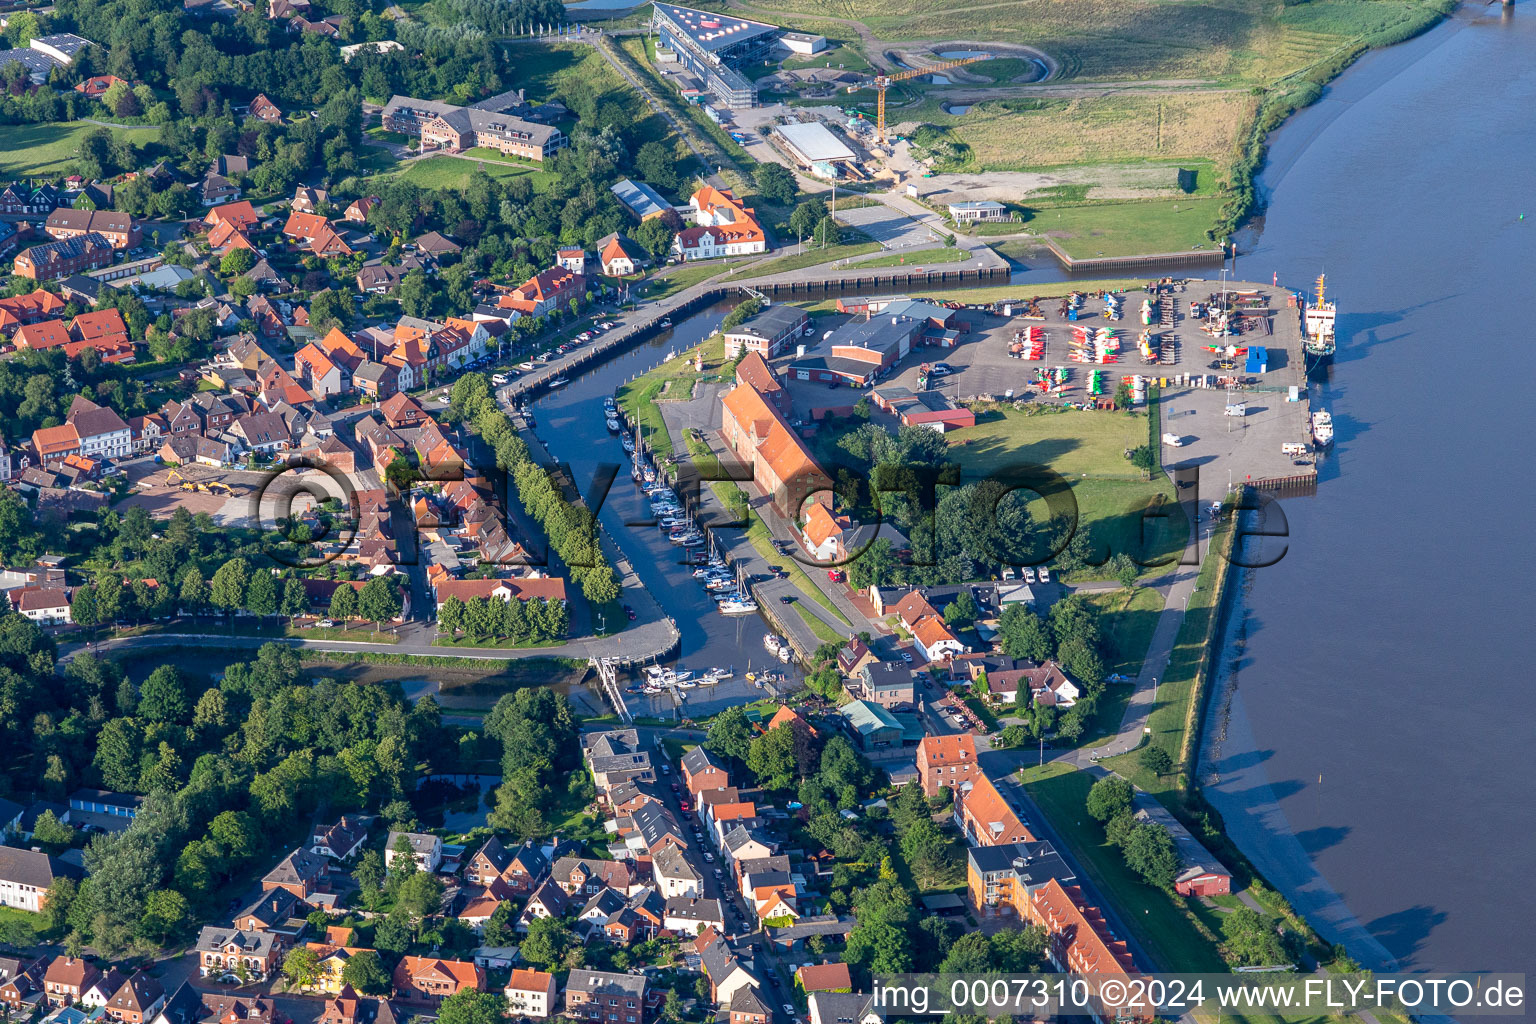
(1129,228)
(1173,713)
(825,633)
(37,922)
(1128,619)
(843,56)
(1076,443)
(811,258)
(672,379)
(1160,924)
(924,258)
(685,276)
(449,172)
(48,150)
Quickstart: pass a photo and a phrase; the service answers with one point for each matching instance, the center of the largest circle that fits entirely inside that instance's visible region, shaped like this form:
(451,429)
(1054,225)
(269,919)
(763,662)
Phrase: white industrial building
(813,146)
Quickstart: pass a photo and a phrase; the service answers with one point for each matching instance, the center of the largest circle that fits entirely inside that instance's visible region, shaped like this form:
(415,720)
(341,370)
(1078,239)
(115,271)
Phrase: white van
(1173,440)
(1293,448)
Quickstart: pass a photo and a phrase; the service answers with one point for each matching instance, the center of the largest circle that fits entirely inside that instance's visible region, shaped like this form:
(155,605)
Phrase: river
(1376,764)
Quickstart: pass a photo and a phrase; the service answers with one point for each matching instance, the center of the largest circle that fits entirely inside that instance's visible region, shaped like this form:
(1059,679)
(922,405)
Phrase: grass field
(686,276)
(1113,128)
(1075,443)
(825,633)
(672,379)
(1171,714)
(451,172)
(811,258)
(923,258)
(36,922)
(1159,924)
(49,150)
(843,56)
(1128,619)
(1132,228)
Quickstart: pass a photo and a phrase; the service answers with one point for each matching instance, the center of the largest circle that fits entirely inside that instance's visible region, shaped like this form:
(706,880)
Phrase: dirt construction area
(230,496)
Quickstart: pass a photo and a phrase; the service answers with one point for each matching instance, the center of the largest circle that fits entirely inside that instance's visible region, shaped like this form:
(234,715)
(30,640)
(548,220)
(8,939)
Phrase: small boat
(628,445)
(737,606)
(559,382)
(786,654)
(685,674)
(614,426)
(666,321)
(1322,428)
(772,643)
(610,406)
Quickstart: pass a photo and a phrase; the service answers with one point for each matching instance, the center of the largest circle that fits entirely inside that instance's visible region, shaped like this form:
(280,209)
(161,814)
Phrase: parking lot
(886,226)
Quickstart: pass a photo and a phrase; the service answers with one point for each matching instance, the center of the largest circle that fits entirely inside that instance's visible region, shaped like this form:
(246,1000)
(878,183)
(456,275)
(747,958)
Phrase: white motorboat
(737,607)
(614,426)
(786,654)
(772,643)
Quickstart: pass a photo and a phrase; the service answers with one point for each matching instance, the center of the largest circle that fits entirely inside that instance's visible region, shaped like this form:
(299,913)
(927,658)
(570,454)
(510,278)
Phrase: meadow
(49,150)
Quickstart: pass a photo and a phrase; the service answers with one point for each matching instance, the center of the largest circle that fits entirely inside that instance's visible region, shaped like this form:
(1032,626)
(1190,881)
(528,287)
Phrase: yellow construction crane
(883,82)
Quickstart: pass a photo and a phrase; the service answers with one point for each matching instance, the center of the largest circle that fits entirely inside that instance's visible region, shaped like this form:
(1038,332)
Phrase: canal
(570,422)
(1376,762)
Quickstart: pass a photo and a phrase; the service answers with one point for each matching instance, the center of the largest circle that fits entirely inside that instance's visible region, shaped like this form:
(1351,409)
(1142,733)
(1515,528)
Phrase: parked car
(906,656)
(1045,574)
(836,575)
(709,858)
(326,623)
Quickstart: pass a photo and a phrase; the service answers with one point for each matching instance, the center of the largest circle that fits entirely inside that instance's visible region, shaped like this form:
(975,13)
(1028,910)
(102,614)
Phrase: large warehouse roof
(814,142)
(710,31)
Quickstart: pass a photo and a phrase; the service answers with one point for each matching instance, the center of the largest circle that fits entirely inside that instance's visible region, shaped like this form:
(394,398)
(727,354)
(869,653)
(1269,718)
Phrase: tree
(379,600)
(414,294)
(393,934)
(194,590)
(468,1006)
(1250,941)
(806,216)
(547,942)
(227,588)
(302,967)
(776,183)
(450,618)
(82,607)
(365,972)
(332,308)
(261,594)
(164,696)
(1024,633)
(826,232)
(52,834)
(771,757)
(294,600)
(165,911)
(1156,761)
(1149,852)
(1109,798)
(962,611)
(343,603)
(369,873)
(420,895)
(236,261)
(501,928)
(730,735)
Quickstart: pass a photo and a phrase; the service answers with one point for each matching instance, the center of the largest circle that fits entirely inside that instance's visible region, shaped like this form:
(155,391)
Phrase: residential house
(548,900)
(823,978)
(342,840)
(843,1008)
(545,291)
(307,200)
(530,993)
(102,432)
(277,911)
(852,657)
(347,1007)
(137,1000)
(357,212)
(743,846)
(615,756)
(986,817)
(97,994)
(234,953)
(723,227)
(426,849)
(826,533)
(53,260)
(22,988)
(674,875)
(726,972)
(1080,941)
(379,279)
(604,997)
(120,229)
(333,958)
(932,635)
(263,109)
(520,868)
(33,307)
(1006,876)
(220,1008)
(67,979)
(947,762)
(886,683)
(302,873)
(702,770)
(767,332)
(619,256)
(241,216)
(583,876)
(689,915)
(27,876)
(747,1007)
(574,260)
(430,980)
(46,606)
(402,412)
